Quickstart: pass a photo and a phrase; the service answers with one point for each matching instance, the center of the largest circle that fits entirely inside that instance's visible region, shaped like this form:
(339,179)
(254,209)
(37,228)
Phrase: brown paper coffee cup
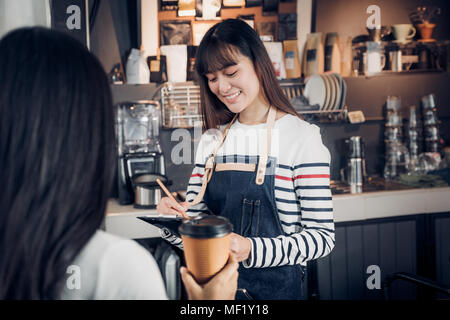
(206,242)
(206,257)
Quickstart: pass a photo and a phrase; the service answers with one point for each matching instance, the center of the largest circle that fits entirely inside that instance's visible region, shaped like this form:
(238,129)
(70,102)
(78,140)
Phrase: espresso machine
(140,158)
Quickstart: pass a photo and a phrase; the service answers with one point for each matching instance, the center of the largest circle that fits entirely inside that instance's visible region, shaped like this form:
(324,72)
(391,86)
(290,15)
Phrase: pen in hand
(167,192)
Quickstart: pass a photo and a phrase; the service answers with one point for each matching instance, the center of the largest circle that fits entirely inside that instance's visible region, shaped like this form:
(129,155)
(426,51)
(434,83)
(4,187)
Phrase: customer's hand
(240,247)
(169,206)
(222,286)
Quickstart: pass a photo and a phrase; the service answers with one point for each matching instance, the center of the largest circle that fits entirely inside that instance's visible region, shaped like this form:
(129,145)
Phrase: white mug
(374,59)
(403,32)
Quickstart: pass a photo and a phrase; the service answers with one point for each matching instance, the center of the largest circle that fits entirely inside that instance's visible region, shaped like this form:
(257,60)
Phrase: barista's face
(237,86)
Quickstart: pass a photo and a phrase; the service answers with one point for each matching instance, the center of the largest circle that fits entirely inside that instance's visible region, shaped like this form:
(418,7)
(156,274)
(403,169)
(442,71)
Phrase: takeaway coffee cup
(206,242)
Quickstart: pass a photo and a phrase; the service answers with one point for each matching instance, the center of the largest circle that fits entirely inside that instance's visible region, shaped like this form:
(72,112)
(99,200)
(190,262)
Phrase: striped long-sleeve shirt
(302,188)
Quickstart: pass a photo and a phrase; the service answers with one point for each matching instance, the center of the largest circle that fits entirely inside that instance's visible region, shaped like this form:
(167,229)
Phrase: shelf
(234,12)
(230,12)
(397,73)
(404,45)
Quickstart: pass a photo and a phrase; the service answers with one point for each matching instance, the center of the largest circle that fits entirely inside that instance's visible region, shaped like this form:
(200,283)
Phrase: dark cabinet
(442,249)
(417,244)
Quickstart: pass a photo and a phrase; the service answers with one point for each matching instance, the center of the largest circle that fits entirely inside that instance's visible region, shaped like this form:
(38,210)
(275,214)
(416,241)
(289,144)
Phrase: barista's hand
(240,247)
(169,206)
(222,286)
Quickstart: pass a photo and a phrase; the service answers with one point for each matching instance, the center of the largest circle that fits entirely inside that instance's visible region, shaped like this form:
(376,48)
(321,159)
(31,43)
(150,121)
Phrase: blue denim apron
(251,208)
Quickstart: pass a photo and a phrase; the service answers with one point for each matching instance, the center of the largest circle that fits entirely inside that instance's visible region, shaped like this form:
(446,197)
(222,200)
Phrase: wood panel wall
(390,245)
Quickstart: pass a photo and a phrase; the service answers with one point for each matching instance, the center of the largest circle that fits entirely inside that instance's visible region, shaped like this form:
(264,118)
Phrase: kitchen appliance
(169,263)
(140,158)
(147,191)
(354,172)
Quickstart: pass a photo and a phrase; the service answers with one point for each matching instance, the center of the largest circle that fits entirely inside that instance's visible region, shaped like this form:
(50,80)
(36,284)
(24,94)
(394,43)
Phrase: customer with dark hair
(267,170)
(57,156)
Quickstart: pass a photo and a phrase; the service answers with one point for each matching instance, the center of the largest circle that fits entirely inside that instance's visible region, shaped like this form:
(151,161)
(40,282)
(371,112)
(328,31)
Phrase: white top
(109,268)
(302,187)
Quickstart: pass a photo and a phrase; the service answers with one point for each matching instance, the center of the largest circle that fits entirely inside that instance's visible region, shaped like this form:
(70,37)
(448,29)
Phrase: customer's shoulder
(105,250)
(104,239)
(102,242)
(113,267)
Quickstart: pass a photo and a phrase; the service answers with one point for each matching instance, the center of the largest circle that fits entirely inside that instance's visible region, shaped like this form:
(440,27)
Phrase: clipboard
(170,223)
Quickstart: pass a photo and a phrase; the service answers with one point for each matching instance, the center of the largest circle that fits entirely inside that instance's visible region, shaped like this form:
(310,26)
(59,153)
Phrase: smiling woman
(237,86)
(232,55)
(277,195)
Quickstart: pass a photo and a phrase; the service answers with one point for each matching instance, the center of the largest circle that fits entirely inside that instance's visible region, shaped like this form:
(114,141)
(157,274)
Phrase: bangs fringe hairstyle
(218,50)
(57,156)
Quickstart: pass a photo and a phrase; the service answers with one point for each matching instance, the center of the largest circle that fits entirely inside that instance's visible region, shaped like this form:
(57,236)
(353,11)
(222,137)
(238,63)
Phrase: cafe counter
(122,220)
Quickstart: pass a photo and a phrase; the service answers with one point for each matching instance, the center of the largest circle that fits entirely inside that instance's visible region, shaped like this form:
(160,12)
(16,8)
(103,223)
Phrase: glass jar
(397,160)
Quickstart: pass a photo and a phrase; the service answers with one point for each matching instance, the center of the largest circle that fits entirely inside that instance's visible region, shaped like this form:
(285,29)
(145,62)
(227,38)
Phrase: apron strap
(210,164)
(265,147)
(249,167)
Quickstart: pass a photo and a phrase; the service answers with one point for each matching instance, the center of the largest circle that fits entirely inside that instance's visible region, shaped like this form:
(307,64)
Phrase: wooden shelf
(228,13)
(388,73)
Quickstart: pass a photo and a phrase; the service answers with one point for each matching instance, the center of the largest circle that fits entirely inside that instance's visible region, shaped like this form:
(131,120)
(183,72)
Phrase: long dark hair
(217,50)
(57,151)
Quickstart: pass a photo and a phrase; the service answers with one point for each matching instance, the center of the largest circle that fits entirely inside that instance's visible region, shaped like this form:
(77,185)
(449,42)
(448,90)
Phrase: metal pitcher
(354,172)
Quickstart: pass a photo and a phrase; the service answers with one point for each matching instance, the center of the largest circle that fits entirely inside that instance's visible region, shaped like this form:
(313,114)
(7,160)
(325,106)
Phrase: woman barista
(267,171)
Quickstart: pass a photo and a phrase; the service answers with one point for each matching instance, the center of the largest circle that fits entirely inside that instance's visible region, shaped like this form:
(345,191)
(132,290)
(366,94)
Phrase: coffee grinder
(140,158)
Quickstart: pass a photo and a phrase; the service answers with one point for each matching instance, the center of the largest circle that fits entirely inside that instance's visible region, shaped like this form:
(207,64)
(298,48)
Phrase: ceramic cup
(373,62)
(403,32)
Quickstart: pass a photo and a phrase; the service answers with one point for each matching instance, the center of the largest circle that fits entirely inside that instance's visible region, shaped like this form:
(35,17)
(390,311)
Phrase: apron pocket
(246,217)
(255,218)
(250,218)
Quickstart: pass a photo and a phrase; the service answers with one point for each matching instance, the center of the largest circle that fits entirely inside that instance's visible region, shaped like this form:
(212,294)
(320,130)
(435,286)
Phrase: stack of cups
(393,125)
(414,133)
(414,136)
(397,155)
(430,123)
